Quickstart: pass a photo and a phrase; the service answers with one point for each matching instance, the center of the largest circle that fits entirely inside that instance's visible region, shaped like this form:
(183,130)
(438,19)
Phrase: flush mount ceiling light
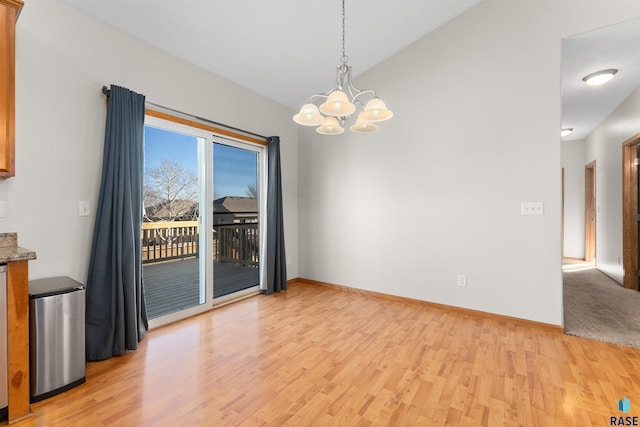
(599,77)
(342,101)
(566,131)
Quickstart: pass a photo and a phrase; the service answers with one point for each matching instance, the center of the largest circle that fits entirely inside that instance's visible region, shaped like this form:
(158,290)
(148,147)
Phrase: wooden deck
(174,285)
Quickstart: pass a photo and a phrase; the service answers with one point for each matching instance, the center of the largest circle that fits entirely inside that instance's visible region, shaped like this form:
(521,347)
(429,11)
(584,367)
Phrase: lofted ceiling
(287,50)
(616,46)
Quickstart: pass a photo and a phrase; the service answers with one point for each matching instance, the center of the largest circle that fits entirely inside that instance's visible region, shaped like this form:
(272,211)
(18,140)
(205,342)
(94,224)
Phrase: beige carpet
(597,307)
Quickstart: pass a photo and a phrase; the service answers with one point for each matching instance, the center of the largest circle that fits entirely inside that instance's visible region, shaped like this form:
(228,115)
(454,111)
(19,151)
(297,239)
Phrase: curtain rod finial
(105,90)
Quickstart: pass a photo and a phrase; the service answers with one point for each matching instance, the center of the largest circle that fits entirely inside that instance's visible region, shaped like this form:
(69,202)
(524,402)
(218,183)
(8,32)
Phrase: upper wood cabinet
(9,10)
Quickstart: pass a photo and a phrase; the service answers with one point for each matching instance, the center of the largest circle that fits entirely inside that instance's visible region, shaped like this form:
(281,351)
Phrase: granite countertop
(10,251)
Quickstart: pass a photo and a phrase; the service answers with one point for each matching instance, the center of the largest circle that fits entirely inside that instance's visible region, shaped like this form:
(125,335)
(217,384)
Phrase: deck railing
(236,243)
(166,240)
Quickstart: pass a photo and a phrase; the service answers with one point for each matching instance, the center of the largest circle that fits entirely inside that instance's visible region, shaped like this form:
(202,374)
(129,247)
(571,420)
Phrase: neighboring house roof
(238,206)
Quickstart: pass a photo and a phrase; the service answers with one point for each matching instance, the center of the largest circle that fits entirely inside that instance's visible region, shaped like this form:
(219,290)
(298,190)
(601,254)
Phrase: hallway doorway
(590,212)
(630,211)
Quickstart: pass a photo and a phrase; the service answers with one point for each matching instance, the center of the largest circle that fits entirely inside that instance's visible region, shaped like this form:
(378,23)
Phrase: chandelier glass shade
(330,126)
(362,125)
(337,105)
(308,116)
(331,109)
(376,111)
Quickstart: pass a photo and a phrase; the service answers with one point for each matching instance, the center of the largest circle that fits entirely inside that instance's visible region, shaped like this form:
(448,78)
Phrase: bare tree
(252,191)
(170,192)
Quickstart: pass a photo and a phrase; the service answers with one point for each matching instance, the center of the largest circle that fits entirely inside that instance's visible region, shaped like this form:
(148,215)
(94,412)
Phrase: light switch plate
(532,208)
(3,208)
(84,208)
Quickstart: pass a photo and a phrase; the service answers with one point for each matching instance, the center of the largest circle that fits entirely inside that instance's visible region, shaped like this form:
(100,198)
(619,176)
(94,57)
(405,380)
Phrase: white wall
(605,146)
(63,59)
(437,191)
(573,164)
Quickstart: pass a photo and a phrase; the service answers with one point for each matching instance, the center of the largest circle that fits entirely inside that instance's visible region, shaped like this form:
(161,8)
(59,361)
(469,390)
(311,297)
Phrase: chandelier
(341,102)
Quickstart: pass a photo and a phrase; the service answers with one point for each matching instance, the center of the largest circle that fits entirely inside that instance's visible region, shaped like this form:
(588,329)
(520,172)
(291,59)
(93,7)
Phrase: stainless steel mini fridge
(56,345)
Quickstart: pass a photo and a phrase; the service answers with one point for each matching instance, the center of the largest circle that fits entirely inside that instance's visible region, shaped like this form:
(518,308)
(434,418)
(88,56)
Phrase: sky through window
(234,169)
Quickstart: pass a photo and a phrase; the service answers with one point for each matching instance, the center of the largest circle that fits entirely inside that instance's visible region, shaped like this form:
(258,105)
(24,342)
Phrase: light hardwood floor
(319,356)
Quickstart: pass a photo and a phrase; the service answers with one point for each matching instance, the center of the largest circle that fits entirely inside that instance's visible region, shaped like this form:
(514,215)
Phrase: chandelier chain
(344,58)
(342,101)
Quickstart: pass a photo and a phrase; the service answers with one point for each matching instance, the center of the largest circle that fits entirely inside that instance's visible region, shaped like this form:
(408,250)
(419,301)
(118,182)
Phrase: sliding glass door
(171,238)
(236,218)
(201,221)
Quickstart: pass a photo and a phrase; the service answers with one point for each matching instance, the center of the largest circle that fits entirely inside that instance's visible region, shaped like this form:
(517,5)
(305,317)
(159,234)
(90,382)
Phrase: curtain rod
(107,92)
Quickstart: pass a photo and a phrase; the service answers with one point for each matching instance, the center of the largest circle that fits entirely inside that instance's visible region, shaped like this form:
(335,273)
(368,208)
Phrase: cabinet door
(8,15)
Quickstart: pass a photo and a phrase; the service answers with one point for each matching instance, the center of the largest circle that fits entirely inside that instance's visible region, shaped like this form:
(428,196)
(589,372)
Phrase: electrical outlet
(462,280)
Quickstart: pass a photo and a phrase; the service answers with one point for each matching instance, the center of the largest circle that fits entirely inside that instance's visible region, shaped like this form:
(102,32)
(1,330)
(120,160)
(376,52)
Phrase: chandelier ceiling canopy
(338,104)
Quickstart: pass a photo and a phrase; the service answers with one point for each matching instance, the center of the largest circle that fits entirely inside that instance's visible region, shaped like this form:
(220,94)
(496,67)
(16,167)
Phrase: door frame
(590,212)
(562,235)
(629,209)
(206,139)
(204,275)
(261,151)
